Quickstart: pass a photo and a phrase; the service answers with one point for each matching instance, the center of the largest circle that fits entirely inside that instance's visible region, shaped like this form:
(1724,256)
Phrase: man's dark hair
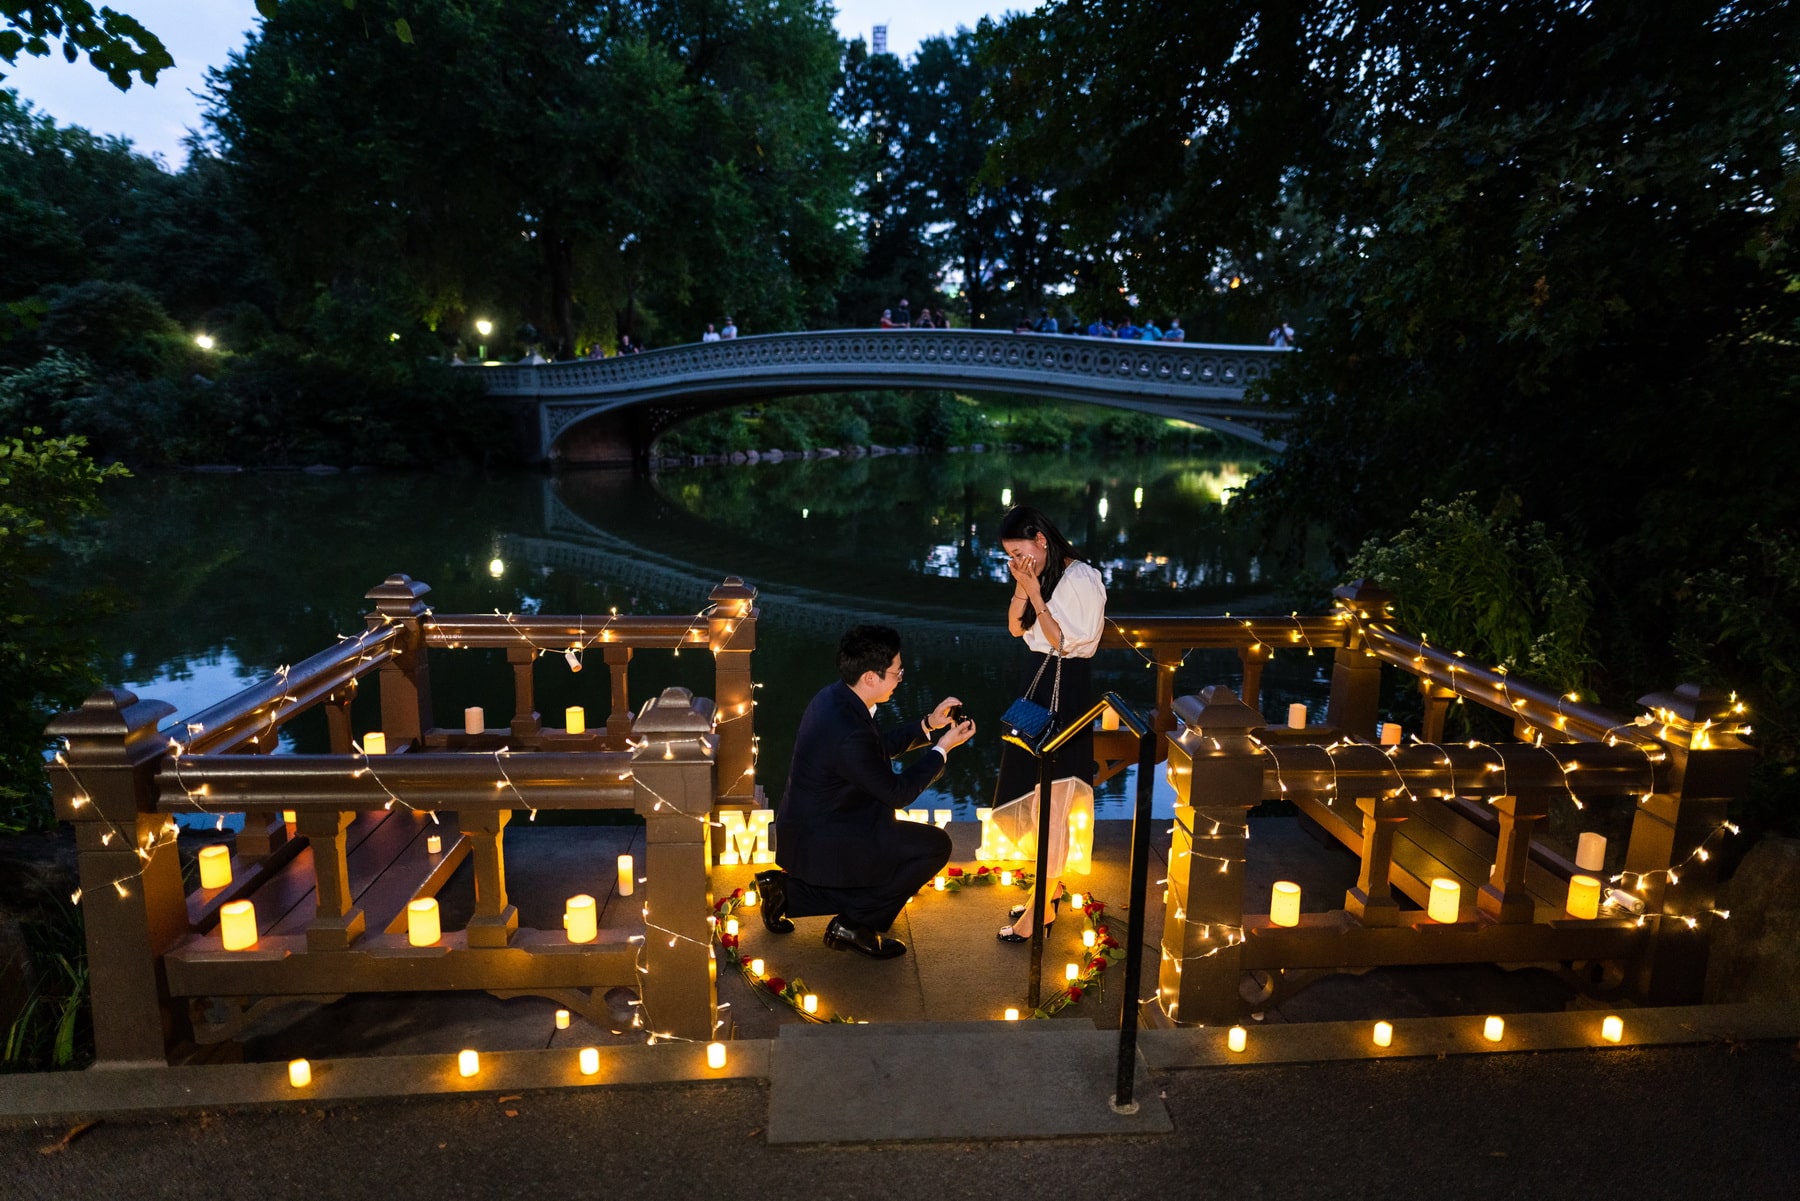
(866,648)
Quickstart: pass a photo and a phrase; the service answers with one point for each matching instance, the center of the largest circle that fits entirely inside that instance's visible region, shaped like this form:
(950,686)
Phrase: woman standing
(1058,607)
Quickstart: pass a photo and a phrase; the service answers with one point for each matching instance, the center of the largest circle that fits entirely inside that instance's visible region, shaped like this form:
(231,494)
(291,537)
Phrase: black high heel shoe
(1007,934)
(1018,911)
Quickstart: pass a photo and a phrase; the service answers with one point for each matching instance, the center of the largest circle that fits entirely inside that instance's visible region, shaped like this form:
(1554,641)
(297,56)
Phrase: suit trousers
(914,853)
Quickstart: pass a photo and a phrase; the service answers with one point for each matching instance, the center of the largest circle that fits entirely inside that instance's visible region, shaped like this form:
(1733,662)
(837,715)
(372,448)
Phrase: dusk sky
(201,33)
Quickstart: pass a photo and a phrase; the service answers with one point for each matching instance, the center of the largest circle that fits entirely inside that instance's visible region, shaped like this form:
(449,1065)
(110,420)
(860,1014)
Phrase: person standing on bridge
(1282,336)
(711,334)
(840,847)
(1058,609)
(730,330)
(1174,333)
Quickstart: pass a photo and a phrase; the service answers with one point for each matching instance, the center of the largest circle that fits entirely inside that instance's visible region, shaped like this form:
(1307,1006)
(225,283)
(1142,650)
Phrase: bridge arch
(1201,383)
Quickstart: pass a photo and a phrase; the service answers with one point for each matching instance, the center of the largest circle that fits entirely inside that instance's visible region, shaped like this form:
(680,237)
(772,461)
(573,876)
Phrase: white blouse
(1079,607)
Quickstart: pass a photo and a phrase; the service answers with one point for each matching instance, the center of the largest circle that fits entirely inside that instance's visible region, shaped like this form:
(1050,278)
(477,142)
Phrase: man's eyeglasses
(898,672)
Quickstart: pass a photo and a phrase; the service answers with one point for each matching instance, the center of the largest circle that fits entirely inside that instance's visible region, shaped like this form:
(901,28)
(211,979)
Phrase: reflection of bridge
(609,408)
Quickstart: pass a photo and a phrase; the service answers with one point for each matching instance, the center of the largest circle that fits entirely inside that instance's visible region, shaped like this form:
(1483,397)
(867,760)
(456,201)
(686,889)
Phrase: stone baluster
(618,722)
(405,675)
(525,721)
(1504,897)
(495,918)
(1372,900)
(337,923)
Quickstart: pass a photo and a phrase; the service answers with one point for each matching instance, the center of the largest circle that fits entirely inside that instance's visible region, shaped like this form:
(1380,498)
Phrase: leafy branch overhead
(115,42)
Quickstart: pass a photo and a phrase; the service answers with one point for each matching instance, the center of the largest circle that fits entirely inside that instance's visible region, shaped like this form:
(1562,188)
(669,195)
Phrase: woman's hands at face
(1025,571)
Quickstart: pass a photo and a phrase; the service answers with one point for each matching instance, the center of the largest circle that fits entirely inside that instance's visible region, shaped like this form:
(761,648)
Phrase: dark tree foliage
(117,45)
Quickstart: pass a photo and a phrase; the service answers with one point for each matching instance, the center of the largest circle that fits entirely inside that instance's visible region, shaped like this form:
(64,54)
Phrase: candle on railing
(562,1019)
(1296,716)
(237,925)
(434,844)
(1109,718)
(289,817)
(1284,903)
(589,1059)
(474,720)
(1237,1038)
(1390,733)
(300,1072)
(575,719)
(215,866)
(1584,897)
(422,928)
(715,1055)
(627,876)
(375,743)
(1590,852)
(1384,1034)
(1612,1029)
(810,1002)
(581,918)
(468,1062)
(1012,1015)
(1446,900)
(756,967)
(1494,1029)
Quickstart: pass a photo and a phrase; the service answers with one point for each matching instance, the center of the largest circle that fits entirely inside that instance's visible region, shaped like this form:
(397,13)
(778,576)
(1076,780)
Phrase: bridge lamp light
(484,327)
(204,341)
(496,567)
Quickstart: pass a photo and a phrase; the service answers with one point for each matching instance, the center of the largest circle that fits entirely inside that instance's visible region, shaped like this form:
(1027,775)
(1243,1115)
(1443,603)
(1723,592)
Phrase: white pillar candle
(627,876)
(422,929)
(810,1002)
(1590,852)
(715,1055)
(1088,938)
(434,844)
(1390,733)
(756,967)
(1384,1034)
(237,925)
(474,720)
(1284,903)
(1584,897)
(731,926)
(1006,878)
(1012,1015)
(940,883)
(575,719)
(300,1072)
(468,1062)
(1494,1029)
(562,1019)
(1075,899)
(1070,971)
(375,743)
(1612,1029)
(589,1060)
(215,866)
(1446,900)
(750,898)
(1296,716)
(581,918)
(1236,1038)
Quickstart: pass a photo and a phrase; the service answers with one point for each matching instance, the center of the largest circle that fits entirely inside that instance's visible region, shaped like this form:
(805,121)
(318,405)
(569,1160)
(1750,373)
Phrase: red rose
(981,871)
(728,940)
(1108,942)
(1074,992)
(1098,965)
(737,892)
(775,984)
(955,871)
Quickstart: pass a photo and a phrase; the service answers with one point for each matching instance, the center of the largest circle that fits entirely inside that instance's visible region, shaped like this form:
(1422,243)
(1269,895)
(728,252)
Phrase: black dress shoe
(841,935)
(771,890)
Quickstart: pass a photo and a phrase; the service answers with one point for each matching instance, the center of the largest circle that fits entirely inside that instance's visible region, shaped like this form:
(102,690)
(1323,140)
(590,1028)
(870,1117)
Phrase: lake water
(224,578)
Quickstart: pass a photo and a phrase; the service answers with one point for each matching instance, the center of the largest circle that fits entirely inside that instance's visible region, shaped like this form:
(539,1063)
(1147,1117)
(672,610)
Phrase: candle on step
(1494,1029)
(1584,897)
(1236,1038)
(422,929)
(468,1062)
(1446,900)
(627,876)
(474,720)
(810,1002)
(215,866)
(300,1073)
(1612,1029)
(562,1019)
(1296,716)
(1384,1034)
(582,918)
(1012,1015)
(1390,733)
(1284,903)
(434,844)
(375,743)
(715,1055)
(589,1060)
(237,925)
(1590,852)
(575,719)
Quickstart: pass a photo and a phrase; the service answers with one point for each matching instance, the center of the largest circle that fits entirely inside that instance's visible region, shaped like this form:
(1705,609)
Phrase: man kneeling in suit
(843,851)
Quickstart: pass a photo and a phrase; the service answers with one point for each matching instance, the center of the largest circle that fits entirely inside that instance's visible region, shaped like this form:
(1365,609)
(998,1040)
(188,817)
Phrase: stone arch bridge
(612,410)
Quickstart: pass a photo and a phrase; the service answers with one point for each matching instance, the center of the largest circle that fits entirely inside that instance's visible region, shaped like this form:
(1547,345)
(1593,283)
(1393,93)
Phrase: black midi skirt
(1018,769)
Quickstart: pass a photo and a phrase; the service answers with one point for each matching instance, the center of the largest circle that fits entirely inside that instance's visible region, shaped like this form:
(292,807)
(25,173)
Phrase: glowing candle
(575,719)
(756,967)
(731,925)
(1070,971)
(1236,1038)
(581,918)
(237,925)
(715,1055)
(810,1002)
(1612,1029)
(1590,852)
(750,898)
(1109,718)
(1284,903)
(1446,900)
(562,1019)
(1494,1029)
(1296,716)
(289,817)
(468,1062)
(375,743)
(1005,878)
(300,1072)
(1075,899)
(627,876)
(940,883)
(1584,897)
(590,1061)
(1012,1015)
(1390,733)
(941,817)
(215,866)
(434,844)
(474,720)
(422,929)
(1088,938)
(1384,1034)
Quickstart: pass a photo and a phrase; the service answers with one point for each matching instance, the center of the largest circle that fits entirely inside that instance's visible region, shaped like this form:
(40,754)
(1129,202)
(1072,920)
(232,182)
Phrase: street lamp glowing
(484,327)
(203,341)
(496,567)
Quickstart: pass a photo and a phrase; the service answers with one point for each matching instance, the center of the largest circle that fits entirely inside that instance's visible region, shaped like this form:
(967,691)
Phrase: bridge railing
(1430,815)
(352,830)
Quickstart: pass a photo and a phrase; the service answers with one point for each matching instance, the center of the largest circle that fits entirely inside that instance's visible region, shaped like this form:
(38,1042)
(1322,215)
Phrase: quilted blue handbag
(1030,725)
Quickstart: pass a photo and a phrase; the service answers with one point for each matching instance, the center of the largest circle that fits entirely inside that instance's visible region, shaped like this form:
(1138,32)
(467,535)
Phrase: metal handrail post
(1134,937)
(1040,886)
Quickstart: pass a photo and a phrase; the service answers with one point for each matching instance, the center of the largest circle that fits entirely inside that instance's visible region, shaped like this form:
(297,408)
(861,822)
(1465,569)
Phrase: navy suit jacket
(835,817)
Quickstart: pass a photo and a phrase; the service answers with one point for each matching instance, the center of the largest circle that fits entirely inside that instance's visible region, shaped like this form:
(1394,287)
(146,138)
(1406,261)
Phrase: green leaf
(268,8)
(403,31)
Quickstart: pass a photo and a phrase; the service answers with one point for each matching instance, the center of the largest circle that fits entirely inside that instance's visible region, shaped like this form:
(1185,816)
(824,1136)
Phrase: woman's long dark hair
(1023,523)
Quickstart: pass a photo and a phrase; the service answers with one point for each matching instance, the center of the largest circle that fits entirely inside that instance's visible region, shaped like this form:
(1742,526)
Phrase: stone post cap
(1366,597)
(734,595)
(676,711)
(1217,710)
(1691,703)
(109,719)
(399,596)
